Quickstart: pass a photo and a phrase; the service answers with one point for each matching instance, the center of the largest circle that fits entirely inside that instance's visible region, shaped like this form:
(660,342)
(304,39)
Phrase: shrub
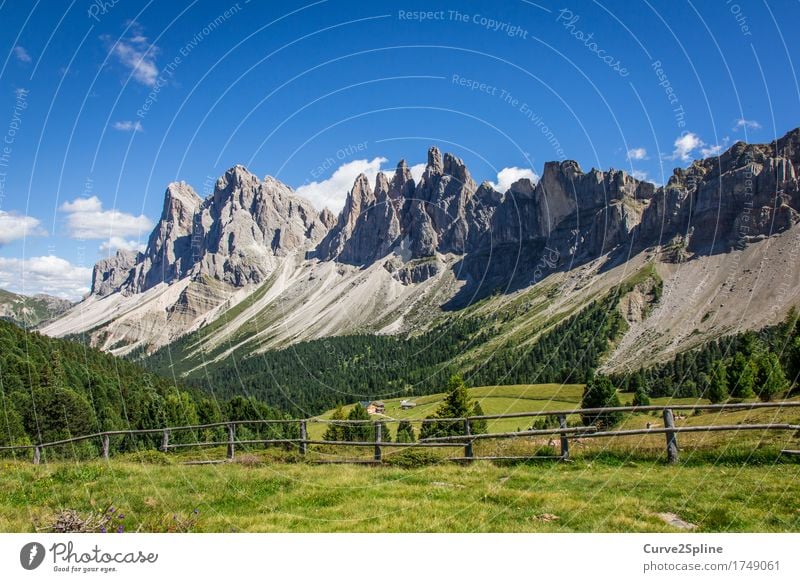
(412,458)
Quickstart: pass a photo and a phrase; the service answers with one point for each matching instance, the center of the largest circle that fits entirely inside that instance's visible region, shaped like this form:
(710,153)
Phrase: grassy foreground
(259,495)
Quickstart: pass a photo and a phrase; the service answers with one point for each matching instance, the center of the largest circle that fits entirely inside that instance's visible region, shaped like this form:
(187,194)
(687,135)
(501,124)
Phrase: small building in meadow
(376,407)
(407,404)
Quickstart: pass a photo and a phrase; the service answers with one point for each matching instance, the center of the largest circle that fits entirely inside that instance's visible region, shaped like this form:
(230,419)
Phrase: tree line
(54,389)
(751,364)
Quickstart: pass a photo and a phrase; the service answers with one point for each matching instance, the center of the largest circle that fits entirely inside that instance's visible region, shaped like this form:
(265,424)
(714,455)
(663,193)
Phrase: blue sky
(102,104)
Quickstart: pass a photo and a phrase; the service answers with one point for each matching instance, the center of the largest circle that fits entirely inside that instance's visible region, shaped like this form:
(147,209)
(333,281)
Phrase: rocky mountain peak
(523,187)
(402,185)
(237,184)
(179,197)
(435,165)
(454,166)
(113,273)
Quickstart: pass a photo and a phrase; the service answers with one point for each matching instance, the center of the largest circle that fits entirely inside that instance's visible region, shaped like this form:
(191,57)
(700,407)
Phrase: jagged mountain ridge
(269,269)
(30,311)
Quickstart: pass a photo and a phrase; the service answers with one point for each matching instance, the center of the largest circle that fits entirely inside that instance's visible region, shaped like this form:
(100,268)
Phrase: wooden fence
(465,440)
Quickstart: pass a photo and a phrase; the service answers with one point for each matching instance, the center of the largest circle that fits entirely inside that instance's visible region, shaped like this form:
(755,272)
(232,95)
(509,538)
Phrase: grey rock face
(236,235)
(168,255)
(239,234)
(247,224)
(418,219)
(113,273)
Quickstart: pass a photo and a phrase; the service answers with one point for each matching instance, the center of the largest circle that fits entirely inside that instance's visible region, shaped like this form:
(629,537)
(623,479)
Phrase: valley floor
(604,494)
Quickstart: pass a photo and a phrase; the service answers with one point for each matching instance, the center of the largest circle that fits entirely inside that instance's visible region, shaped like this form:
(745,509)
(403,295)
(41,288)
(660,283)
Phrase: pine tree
(640,398)
(718,386)
(600,393)
(358,431)
(405,432)
(742,374)
(335,430)
(770,379)
(477,426)
(457,404)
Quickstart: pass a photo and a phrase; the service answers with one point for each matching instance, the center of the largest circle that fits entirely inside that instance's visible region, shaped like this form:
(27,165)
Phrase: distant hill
(31,311)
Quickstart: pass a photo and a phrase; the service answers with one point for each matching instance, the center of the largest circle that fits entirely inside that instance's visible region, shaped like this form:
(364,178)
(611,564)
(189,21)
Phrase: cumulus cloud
(137,54)
(639,175)
(128,126)
(49,274)
(508,176)
(15,226)
(332,192)
(743,123)
(637,154)
(689,143)
(685,145)
(86,219)
(710,150)
(22,54)
(118,243)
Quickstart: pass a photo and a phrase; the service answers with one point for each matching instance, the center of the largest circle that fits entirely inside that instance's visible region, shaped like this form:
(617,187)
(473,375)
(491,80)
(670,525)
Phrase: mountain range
(255,267)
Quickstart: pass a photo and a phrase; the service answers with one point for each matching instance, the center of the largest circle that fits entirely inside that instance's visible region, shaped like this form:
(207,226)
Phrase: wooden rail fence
(465,440)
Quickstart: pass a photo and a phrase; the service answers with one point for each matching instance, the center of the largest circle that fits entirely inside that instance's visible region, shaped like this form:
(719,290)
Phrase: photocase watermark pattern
(567,20)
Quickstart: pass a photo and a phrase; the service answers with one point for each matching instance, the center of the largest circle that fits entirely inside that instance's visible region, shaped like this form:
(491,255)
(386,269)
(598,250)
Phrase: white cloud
(21,54)
(743,123)
(87,220)
(128,126)
(332,192)
(137,54)
(714,150)
(685,145)
(15,226)
(689,143)
(639,175)
(508,176)
(637,154)
(48,274)
(416,171)
(118,243)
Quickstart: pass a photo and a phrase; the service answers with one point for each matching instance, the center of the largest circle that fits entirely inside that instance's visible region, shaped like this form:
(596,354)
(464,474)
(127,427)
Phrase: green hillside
(52,389)
(499,400)
(31,311)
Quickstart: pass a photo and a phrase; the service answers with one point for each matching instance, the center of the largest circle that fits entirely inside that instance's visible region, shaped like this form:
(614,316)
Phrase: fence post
(231,437)
(672,439)
(106,446)
(468,451)
(165,441)
(303,437)
(378,439)
(37,455)
(562,423)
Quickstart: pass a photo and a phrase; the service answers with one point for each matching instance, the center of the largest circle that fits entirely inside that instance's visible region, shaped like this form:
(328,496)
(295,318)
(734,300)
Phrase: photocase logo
(31,555)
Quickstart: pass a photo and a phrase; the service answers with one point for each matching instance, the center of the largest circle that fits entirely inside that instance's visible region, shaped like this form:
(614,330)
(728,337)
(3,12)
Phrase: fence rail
(465,440)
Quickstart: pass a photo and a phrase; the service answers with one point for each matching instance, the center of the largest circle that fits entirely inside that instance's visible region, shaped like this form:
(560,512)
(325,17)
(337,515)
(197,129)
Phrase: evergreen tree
(358,431)
(335,430)
(718,386)
(640,398)
(457,404)
(793,361)
(770,379)
(600,393)
(477,426)
(742,375)
(405,432)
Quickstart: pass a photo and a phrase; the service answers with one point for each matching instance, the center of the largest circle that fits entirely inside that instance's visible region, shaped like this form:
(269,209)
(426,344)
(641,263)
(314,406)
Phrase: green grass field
(723,482)
(604,495)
